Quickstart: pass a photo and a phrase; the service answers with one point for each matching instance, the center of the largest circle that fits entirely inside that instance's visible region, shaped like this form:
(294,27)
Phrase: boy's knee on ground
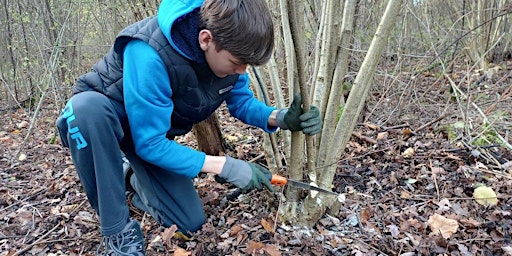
(193,225)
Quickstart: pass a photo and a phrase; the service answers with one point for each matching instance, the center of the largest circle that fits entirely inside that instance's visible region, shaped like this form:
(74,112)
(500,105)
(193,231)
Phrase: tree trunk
(209,137)
(315,206)
(335,95)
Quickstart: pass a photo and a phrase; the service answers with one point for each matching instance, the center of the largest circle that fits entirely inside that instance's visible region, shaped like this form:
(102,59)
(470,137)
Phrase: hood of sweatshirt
(178,21)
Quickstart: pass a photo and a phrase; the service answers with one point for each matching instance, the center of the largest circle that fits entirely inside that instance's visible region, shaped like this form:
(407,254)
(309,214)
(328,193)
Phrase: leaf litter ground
(408,190)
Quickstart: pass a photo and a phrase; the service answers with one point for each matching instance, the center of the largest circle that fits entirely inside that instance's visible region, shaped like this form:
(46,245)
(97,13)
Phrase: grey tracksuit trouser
(96,130)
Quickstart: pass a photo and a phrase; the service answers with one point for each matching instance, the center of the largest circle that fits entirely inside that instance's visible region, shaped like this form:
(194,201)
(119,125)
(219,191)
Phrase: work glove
(246,176)
(294,119)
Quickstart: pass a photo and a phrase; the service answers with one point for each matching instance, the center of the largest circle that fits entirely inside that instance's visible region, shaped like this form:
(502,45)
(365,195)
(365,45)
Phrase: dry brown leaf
(372,126)
(272,250)
(231,220)
(267,226)
(470,222)
(181,252)
(441,225)
(497,236)
(405,194)
(437,170)
(241,237)
(235,229)
(168,234)
(5,139)
(253,246)
(382,135)
(365,215)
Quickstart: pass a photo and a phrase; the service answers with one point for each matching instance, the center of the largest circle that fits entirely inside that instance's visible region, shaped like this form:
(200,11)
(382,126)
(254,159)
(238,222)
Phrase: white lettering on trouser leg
(74,132)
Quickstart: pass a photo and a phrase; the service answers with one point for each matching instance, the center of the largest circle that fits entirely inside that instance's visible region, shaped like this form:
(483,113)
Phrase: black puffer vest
(197,92)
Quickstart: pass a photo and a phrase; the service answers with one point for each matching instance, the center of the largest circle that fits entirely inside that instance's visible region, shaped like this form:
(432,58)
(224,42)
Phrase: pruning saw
(278,180)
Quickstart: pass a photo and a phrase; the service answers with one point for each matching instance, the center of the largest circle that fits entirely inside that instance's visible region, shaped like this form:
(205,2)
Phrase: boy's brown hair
(243,28)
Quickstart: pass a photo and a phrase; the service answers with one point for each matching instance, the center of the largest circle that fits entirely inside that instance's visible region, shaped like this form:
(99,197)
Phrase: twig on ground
(365,138)
(38,241)
(25,199)
(395,127)
(373,247)
(441,117)
(435,181)
(503,96)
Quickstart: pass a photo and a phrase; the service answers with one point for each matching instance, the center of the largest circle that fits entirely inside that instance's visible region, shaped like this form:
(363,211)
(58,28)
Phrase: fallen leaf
(231,220)
(382,135)
(507,249)
(506,166)
(441,225)
(22,124)
(437,170)
(365,215)
(181,252)
(372,126)
(464,250)
(444,205)
(415,223)
(405,194)
(155,242)
(272,250)
(497,236)
(253,246)
(485,196)
(22,157)
(267,226)
(5,139)
(235,229)
(408,153)
(470,222)
(168,234)
(393,229)
(411,181)
(231,138)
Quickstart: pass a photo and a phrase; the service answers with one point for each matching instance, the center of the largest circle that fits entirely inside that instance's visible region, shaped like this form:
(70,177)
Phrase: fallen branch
(365,138)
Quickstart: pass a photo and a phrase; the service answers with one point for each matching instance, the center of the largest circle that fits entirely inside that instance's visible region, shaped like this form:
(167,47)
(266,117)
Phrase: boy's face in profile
(222,62)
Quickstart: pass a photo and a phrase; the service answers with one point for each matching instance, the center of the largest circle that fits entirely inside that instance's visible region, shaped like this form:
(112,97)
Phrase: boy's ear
(205,38)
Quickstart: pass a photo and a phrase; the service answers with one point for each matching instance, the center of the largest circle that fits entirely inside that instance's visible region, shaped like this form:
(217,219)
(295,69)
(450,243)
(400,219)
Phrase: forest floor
(408,176)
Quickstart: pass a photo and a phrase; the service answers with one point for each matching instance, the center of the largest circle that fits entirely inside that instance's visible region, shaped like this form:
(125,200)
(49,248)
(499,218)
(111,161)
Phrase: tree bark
(209,137)
(336,101)
(315,206)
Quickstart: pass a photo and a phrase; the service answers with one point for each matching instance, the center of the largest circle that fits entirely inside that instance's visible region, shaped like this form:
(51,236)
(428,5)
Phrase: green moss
(340,111)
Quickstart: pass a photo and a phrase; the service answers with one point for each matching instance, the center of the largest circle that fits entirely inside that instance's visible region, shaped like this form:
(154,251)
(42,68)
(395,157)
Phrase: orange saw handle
(278,180)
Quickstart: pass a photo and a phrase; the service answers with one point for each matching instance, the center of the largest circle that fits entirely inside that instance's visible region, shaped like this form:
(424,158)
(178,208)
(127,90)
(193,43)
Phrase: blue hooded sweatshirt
(148,94)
